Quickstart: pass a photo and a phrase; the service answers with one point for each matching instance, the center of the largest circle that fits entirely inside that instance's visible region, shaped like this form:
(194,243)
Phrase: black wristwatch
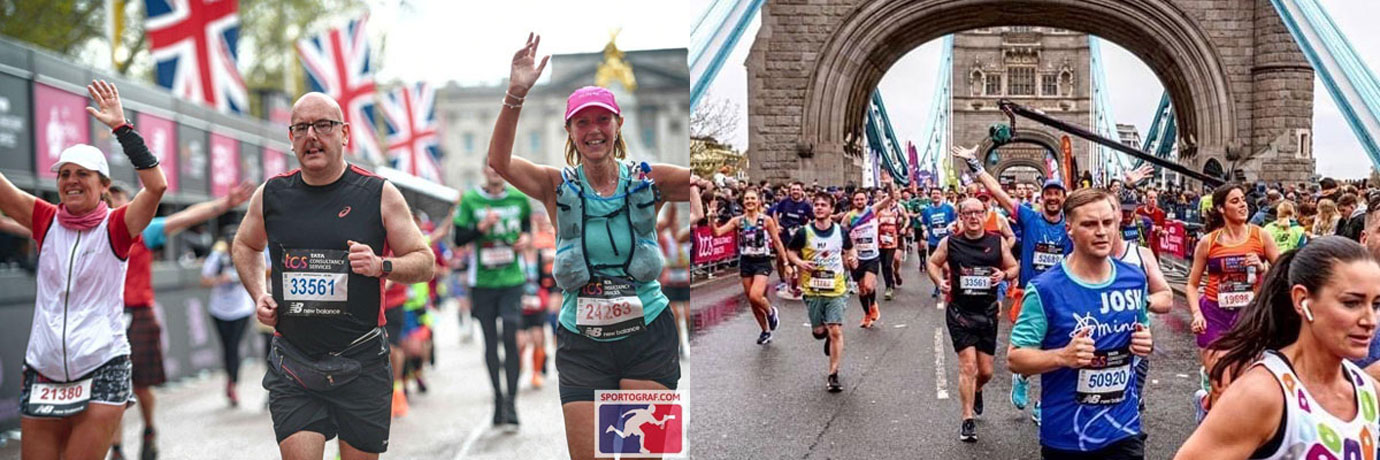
(387,267)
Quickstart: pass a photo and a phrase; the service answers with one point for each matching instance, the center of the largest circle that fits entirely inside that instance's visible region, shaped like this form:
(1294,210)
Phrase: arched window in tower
(1066,82)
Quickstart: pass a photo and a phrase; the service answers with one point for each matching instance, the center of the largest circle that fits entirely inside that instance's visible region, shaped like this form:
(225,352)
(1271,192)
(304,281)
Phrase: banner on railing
(710,248)
(1175,239)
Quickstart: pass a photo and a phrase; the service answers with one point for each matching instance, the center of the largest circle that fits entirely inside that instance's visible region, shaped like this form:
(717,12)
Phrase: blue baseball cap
(1054,183)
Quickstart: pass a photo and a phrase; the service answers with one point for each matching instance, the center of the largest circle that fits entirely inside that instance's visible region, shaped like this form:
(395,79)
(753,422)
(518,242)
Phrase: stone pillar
(1281,102)
(783,55)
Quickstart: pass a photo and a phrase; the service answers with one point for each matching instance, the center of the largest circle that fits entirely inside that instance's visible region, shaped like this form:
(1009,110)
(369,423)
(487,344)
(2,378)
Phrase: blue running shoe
(773,319)
(1035,414)
(1020,391)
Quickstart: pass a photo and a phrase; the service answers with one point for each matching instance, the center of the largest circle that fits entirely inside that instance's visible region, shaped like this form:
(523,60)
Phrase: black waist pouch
(328,373)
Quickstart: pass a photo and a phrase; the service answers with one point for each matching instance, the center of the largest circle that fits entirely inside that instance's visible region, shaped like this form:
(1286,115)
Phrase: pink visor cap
(590,96)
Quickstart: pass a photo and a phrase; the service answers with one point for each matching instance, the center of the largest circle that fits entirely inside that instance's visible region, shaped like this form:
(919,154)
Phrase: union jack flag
(193,43)
(338,63)
(412,137)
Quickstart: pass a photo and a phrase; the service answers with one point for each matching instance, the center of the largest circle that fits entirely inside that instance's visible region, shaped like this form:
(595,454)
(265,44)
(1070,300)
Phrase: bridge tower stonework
(1241,88)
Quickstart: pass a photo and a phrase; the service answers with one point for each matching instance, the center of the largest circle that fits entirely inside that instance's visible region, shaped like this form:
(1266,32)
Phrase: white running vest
(1311,432)
(79,308)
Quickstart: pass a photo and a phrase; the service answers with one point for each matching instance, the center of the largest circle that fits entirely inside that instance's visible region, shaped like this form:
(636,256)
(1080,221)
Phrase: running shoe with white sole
(833,383)
(977,402)
(764,338)
(968,432)
(1035,414)
(1020,391)
(773,320)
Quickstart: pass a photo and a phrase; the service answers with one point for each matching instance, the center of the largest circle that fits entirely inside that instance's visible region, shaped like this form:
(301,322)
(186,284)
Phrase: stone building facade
(655,104)
(1242,90)
(1039,67)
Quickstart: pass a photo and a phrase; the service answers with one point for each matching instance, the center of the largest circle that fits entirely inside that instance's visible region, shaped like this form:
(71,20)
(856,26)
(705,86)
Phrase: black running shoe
(764,338)
(500,416)
(977,403)
(827,340)
(968,433)
(834,385)
(510,413)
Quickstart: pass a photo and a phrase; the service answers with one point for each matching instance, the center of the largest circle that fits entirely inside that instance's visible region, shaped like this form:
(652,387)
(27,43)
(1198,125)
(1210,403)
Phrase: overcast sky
(909,85)
(473,42)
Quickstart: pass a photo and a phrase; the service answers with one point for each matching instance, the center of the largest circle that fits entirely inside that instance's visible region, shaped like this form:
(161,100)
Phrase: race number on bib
(865,245)
(609,308)
(822,280)
(1105,381)
(1046,255)
(974,283)
(888,239)
(940,231)
(1235,299)
(58,399)
(316,282)
(61,393)
(496,256)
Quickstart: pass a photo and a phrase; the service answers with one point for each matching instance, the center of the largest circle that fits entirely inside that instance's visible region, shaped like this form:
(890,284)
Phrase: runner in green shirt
(497,219)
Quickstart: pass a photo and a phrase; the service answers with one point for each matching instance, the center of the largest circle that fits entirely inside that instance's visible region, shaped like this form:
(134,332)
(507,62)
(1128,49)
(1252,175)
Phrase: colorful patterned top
(1309,431)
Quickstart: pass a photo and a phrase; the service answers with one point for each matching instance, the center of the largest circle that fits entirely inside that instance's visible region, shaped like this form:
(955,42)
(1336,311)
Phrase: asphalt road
(900,398)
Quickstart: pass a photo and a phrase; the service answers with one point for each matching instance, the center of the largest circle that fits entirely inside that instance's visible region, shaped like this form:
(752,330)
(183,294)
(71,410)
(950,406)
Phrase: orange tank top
(1230,282)
(991,225)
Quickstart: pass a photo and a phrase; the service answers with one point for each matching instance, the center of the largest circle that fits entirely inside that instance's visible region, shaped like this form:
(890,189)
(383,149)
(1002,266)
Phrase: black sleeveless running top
(322,305)
(969,261)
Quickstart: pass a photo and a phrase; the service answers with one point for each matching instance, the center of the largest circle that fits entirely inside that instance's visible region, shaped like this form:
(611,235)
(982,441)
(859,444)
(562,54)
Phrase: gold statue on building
(614,67)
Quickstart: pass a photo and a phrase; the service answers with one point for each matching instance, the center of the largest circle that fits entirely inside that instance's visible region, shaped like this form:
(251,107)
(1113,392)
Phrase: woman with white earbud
(1298,394)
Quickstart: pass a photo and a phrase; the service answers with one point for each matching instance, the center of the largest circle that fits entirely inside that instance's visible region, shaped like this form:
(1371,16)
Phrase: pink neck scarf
(85,221)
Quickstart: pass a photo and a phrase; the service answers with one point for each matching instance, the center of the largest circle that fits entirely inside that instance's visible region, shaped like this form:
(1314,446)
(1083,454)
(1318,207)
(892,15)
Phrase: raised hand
(1139,174)
(108,110)
(524,73)
(239,194)
(965,153)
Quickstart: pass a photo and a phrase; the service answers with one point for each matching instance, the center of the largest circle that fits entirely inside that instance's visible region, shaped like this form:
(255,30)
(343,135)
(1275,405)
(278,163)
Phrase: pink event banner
(160,135)
(274,163)
(710,248)
(225,164)
(59,122)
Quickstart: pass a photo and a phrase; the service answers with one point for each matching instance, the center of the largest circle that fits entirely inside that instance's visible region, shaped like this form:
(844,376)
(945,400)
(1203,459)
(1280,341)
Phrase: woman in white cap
(77,370)
(613,334)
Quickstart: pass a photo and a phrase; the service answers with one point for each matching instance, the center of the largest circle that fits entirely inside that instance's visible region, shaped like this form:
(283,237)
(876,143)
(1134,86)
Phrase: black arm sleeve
(464,235)
(138,153)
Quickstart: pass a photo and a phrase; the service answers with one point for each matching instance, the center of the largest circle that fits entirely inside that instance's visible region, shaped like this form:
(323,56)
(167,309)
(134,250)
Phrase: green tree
(62,26)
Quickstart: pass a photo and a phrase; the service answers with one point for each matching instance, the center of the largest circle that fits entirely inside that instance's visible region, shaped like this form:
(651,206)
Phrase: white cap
(85,156)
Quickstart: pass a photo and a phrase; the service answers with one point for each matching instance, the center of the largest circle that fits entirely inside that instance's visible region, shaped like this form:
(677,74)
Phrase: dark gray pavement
(900,398)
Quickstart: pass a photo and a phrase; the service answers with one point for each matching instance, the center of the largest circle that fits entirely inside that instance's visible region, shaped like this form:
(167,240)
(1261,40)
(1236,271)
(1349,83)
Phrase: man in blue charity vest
(1083,325)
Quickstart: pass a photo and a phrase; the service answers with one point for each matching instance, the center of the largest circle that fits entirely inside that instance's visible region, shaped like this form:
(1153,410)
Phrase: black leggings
(230,333)
(888,257)
(489,305)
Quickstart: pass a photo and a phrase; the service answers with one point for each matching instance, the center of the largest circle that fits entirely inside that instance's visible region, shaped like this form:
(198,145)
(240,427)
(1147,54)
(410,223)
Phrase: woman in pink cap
(77,378)
(613,333)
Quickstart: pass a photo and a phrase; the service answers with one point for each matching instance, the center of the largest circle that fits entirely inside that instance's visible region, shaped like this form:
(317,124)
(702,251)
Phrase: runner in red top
(1157,216)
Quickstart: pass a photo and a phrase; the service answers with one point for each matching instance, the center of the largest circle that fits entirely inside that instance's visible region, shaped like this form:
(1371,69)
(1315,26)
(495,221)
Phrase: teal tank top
(608,241)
